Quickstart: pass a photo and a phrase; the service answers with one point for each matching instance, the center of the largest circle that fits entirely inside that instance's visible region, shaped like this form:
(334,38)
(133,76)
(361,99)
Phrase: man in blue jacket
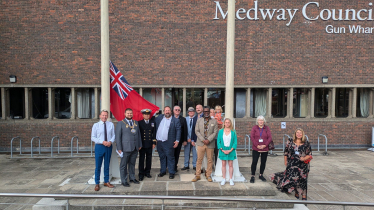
(191,139)
(168,134)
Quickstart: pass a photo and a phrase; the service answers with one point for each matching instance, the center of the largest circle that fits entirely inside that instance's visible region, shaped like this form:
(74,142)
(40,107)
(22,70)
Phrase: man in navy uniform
(147,128)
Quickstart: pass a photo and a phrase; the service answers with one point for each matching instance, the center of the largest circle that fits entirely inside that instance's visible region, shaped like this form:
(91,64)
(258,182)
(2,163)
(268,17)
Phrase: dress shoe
(171,176)
(126,184)
(252,179)
(161,174)
(196,178)
(185,168)
(148,175)
(97,187)
(194,168)
(262,178)
(108,185)
(135,181)
(141,178)
(209,179)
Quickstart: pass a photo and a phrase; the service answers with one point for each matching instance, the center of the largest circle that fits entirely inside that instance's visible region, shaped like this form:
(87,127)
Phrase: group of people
(204,134)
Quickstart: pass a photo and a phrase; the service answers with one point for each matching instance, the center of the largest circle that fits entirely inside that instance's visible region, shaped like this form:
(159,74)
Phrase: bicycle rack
(31,144)
(72,140)
(249,144)
(325,152)
(284,139)
(58,143)
(11,146)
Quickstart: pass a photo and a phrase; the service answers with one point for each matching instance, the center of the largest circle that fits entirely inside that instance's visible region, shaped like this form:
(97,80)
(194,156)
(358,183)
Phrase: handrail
(58,143)
(307,138)
(324,153)
(11,146)
(71,145)
(31,144)
(91,148)
(88,196)
(284,139)
(249,143)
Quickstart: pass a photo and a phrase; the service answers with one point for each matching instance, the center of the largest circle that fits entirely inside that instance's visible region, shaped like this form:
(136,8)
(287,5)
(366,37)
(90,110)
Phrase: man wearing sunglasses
(177,150)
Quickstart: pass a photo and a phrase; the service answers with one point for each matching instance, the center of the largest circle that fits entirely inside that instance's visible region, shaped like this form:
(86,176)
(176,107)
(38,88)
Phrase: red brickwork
(178,43)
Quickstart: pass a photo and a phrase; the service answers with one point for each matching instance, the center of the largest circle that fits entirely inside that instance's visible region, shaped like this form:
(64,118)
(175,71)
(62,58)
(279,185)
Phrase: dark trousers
(177,152)
(215,153)
(165,150)
(128,163)
(145,153)
(255,157)
(102,152)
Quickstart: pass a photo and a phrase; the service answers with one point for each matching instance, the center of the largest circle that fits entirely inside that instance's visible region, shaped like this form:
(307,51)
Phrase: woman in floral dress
(297,156)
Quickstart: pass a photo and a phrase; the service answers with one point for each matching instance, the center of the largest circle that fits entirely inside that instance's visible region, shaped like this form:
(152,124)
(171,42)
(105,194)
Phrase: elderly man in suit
(177,111)
(128,140)
(148,133)
(191,139)
(206,130)
(168,134)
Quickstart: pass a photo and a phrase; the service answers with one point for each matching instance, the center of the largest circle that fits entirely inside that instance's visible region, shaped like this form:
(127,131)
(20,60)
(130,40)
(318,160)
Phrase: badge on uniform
(260,140)
(133,130)
(212,125)
(297,152)
(153,125)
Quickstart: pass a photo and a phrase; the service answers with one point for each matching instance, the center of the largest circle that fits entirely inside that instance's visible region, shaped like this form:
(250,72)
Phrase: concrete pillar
(141,92)
(205,96)
(51,103)
(230,58)
(268,106)
(354,102)
(290,103)
(248,103)
(97,104)
(184,108)
(163,99)
(28,104)
(3,104)
(371,98)
(312,101)
(333,102)
(105,74)
(329,107)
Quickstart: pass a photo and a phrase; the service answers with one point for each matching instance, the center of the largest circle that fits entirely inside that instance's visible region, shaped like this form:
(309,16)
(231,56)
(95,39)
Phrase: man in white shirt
(103,136)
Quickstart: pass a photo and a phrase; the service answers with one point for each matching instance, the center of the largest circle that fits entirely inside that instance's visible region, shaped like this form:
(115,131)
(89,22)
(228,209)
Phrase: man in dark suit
(177,151)
(191,138)
(147,129)
(168,134)
(129,142)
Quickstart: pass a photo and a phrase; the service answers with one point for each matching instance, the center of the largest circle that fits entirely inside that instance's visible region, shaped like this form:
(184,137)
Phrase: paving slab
(153,188)
(180,188)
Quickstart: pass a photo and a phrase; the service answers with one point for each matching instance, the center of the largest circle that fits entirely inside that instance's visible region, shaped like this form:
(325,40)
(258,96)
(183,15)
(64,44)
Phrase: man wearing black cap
(147,128)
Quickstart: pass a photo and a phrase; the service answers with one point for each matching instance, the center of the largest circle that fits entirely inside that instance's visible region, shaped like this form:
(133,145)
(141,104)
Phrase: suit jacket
(125,139)
(212,132)
(193,134)
(183,122)
(148,133)
(174,129)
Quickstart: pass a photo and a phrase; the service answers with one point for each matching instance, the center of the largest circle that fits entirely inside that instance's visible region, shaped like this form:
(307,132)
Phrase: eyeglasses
(177,110)
(206,111)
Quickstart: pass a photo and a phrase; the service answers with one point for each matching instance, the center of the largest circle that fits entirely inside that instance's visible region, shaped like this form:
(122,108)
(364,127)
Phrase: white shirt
(226,139)
(163,129)
(97,134)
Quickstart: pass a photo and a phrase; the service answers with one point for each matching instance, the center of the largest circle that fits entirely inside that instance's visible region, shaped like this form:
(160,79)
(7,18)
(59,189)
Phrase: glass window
(172,97)
(342,102)
(40,103)
(258,102)
(216,96)
(363,103)
(17,103)
(321,102)
(136,90)
(1,106)
(63,103)
(153,95)
(194,97)
(279,102)
(85,103)
(240,103)
(300,102)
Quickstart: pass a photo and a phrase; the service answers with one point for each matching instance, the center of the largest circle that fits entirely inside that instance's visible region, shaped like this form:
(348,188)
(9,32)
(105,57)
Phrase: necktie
(130,122)
(190,122)
(105,135)
(146,122)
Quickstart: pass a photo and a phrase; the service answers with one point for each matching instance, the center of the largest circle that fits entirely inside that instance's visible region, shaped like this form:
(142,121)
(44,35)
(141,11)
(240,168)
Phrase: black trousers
(145,153)
(215,153)
(177,152)
(255,156)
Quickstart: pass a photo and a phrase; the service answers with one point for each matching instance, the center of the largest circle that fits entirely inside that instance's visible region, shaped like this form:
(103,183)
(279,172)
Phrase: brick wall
(178,43)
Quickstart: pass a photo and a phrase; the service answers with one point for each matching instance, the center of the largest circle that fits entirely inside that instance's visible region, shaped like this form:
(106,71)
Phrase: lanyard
(262,129)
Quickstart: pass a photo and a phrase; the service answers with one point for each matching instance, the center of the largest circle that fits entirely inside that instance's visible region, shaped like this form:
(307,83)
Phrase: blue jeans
(187,151)
(102,152)
(165,150)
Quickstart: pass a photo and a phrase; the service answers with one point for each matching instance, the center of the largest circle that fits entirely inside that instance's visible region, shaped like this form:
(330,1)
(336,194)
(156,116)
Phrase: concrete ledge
(50,204)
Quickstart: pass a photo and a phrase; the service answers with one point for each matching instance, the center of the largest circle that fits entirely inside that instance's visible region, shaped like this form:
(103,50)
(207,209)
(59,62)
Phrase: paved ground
(341,176)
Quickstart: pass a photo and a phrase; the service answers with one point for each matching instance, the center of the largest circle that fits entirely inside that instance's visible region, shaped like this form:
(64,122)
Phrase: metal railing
(307,138)
(325,152)
(71,145)
(31,145)
(11,146)
(247,137)
(163,198)
(284,140)
(58,145)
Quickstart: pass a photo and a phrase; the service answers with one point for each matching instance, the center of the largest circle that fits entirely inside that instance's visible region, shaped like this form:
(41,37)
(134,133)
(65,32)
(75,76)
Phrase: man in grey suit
(129,142)
(168,134)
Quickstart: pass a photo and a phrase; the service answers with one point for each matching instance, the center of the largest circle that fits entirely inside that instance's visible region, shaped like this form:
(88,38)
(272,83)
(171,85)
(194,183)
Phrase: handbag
(271,145)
